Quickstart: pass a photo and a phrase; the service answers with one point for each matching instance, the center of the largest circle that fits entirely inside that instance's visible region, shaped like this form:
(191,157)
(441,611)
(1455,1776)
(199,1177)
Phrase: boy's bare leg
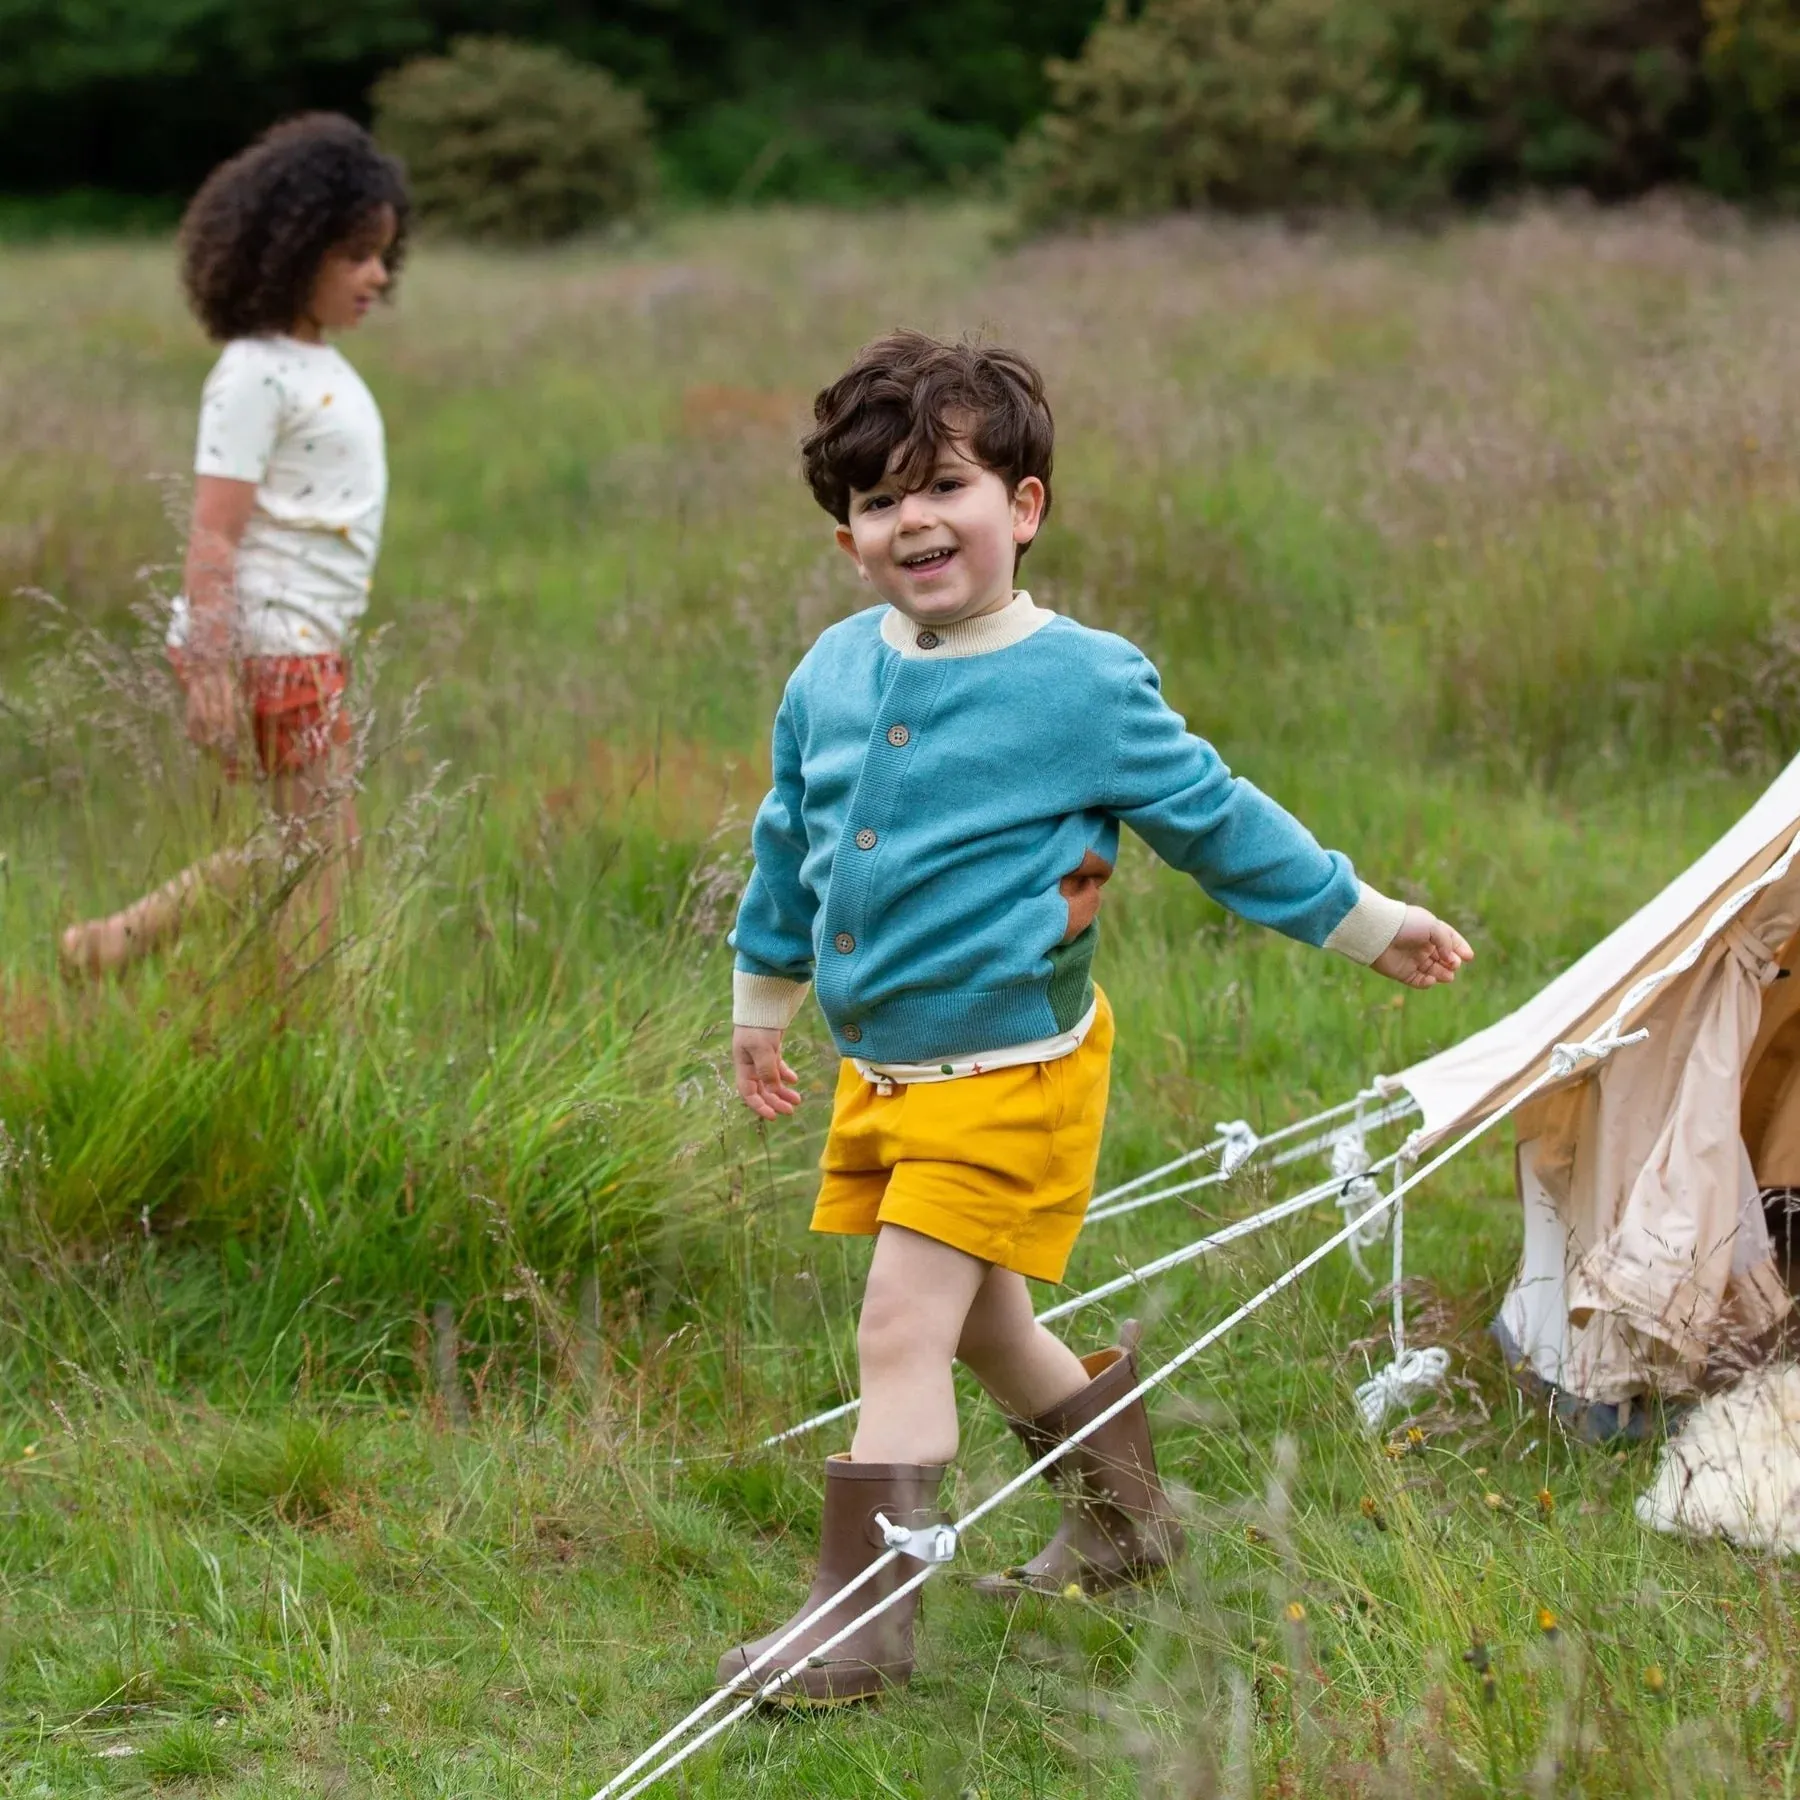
(1026,1367)
(927,1306)
(918,1296)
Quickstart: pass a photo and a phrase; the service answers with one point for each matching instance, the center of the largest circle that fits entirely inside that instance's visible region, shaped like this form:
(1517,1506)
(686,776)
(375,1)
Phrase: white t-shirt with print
(297,420)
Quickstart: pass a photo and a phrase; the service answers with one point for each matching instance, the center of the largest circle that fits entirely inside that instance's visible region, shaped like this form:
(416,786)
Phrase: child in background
(951,770)
(292,240)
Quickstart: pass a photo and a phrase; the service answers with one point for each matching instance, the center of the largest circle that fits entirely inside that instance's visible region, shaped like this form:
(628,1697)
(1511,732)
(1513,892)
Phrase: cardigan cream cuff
(767,1002)
(1368,927)
(1012,624)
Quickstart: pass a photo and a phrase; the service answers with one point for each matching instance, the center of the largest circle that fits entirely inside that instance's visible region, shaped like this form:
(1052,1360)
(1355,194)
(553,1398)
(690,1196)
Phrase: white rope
(1325,1140)
(1237,1144)
(1640,991)
(1565,1059)
(1412,1373)
(1153,1380)
(1100,1202)
(1350,1165)
(1229,1234)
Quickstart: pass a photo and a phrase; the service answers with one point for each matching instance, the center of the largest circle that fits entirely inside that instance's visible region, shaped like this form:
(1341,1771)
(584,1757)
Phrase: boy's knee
(890,1331)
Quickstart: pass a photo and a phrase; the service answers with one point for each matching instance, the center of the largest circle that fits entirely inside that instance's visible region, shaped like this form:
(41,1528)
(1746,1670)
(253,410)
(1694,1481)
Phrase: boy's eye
(876,502)
(946,484)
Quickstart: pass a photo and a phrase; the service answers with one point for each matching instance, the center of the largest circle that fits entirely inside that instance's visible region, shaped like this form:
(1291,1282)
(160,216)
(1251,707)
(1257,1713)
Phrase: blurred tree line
(817,99)
(1109,106)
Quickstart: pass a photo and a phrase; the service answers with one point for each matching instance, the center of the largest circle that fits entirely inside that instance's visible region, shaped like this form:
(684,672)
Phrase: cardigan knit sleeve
(1247,852)
(773,936)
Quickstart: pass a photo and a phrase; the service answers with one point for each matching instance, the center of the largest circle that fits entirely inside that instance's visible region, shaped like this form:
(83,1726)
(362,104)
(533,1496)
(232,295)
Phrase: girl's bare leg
(316,812)
(101,946)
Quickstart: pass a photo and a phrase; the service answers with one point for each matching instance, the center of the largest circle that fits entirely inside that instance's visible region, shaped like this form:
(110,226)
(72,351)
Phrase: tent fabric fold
(1473,1078)
(1648,1266)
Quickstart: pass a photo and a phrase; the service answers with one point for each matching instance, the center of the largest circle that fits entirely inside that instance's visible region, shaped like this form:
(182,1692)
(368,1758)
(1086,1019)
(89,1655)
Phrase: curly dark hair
(912,393)
(253,237)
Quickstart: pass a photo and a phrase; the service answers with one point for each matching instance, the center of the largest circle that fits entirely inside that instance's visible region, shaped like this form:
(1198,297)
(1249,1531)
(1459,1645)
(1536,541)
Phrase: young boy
(951,770)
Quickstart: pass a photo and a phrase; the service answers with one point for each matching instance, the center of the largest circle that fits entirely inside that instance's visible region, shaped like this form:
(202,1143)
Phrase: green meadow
(386,1332)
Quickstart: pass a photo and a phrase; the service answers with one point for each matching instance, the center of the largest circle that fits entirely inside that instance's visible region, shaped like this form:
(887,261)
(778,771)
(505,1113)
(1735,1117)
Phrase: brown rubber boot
(880,1654)
(1118,1526)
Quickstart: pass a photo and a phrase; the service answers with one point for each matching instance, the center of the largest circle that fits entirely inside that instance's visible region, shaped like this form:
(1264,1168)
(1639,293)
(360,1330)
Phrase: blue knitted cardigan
(932,787)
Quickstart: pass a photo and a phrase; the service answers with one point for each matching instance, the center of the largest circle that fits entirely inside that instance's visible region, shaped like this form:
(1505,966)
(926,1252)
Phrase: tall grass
(351,1310)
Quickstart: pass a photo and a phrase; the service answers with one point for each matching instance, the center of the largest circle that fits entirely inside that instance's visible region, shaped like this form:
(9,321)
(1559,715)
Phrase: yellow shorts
(1000,1166)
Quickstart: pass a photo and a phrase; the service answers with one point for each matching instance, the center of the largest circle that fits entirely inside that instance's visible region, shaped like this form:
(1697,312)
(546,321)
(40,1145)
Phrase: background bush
(1752,66)
(515,142)
(1393,102)
(1234,103)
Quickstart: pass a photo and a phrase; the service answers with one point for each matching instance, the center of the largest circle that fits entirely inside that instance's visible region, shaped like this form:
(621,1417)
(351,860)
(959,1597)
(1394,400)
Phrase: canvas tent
(1647,1259)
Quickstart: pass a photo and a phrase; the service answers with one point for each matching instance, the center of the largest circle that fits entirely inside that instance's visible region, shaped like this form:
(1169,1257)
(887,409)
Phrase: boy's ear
(846,542)
(1027,509)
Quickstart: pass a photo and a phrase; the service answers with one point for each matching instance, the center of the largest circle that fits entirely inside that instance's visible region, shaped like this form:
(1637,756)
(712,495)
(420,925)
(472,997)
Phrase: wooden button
(852,1034)
(844,943)
(928,640)
(899,736)
(866,839)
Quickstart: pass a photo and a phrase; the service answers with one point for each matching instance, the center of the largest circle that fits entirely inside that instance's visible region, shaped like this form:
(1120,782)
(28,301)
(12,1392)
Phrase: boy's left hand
(1424,952)
(765,1083)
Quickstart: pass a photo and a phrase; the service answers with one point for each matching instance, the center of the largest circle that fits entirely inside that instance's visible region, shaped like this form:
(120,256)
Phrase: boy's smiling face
(945,551)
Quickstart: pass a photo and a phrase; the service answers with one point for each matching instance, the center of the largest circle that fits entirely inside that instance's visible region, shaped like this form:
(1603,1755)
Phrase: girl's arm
(222,509)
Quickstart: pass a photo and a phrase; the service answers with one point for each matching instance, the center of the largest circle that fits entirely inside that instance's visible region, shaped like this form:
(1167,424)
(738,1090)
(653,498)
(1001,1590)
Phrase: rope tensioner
(924,1543)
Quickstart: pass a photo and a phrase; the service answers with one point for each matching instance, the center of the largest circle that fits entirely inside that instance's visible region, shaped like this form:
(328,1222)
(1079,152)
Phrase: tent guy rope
(1112,1205)
(1217,1144)
(1557,1065)
(1174,1259)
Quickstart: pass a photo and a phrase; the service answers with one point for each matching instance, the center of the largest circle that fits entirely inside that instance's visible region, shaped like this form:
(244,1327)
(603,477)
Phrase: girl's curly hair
(253,237)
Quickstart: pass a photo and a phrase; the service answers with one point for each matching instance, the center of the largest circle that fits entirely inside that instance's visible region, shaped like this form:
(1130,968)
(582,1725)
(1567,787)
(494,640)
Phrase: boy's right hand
(765,1083)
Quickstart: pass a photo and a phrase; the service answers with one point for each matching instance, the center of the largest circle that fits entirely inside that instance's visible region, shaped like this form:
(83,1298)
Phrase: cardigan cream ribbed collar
(1012,624)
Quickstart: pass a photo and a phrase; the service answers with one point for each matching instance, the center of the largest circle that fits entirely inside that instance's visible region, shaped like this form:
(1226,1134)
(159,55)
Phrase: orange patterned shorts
(295,707)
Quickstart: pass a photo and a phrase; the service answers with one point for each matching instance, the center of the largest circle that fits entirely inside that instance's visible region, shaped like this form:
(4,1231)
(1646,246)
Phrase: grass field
(352,1319)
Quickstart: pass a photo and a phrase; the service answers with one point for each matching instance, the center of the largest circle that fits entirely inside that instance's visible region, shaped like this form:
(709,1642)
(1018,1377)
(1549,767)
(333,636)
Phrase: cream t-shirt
(297,420)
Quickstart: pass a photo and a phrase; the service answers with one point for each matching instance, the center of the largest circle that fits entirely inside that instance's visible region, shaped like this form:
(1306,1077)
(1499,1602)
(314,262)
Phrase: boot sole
(794,1699)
